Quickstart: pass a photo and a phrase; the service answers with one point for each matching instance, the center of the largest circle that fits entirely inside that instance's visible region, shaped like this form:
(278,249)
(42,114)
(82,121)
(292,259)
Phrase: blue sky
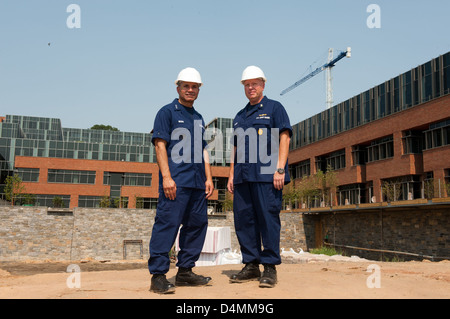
(119,67)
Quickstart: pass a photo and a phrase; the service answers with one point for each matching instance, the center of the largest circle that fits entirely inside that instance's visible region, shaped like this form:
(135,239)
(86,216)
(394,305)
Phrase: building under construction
(397,132)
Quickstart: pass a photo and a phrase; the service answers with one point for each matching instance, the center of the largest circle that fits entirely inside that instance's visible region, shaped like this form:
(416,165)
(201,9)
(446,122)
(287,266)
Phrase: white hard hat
(252,72)
(189,75)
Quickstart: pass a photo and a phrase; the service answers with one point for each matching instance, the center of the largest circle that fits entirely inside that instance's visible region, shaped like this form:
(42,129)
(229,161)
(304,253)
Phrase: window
(336,160)
(295,140)
(401,188)
(351,194)
(106,178)
(446,75)
(71,177)
(346,116)
(438,135)
(28,174)
(396,94)
(128,179)
(358,110)
(334,116)
(137,179)
(366,102)
(146,203)
(331,161)
(359,153)
(220,184)
(437,79)
(416,86)
(412,142)
(89,201)
(49,200)
(381,100)
(300,170)
(380,149)
(407,89)
(427,88)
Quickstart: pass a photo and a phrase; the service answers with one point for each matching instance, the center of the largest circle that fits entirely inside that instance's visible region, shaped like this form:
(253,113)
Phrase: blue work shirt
(182,128)
(259,120)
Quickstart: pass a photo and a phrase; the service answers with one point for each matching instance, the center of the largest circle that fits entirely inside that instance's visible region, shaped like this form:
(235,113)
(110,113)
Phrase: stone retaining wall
(38,233)
(422,231)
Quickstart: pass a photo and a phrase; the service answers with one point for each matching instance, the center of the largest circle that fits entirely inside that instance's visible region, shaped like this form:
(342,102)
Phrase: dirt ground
(314,280)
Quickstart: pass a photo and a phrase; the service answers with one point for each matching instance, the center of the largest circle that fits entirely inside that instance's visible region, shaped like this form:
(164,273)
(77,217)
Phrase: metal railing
(401,191)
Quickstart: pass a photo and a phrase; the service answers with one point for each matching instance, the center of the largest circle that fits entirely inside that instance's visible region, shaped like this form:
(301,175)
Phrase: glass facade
(218,129)
(45,137)
(421,84)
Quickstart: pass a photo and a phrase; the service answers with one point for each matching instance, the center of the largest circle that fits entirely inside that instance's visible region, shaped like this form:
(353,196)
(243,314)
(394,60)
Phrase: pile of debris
(301,257)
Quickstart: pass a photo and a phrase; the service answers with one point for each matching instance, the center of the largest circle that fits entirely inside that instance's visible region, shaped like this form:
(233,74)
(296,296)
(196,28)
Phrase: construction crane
(327,66)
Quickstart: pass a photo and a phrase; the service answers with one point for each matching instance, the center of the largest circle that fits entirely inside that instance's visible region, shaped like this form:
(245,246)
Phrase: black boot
(249,272)
(269,277)
(185,277)
(161,285)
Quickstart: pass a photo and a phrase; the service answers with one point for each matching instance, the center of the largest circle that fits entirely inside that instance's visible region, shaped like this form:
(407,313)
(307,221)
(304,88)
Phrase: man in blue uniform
(262,127)
(185,183)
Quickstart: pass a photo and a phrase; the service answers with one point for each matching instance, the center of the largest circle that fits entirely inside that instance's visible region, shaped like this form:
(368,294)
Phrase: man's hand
(230,185)
(278,180)
(170,188)
(209,188)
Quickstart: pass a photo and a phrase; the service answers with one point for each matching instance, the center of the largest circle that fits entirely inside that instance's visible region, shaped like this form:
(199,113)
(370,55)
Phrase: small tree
(228,202)
(307,190)
(105,202)
(58,202)
(428,188)
(290,194)
(319,186)
(13,188)
(139,201)
(392,190)
(327,183)
(28,199)
(121,202)
(447,189)
(104,127)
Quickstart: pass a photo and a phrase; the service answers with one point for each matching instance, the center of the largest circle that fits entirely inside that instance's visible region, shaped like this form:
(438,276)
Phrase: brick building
(397,132)
(83,166)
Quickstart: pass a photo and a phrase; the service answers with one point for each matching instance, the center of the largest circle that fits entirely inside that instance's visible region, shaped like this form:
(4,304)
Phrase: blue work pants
(188,209)
(257,221)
